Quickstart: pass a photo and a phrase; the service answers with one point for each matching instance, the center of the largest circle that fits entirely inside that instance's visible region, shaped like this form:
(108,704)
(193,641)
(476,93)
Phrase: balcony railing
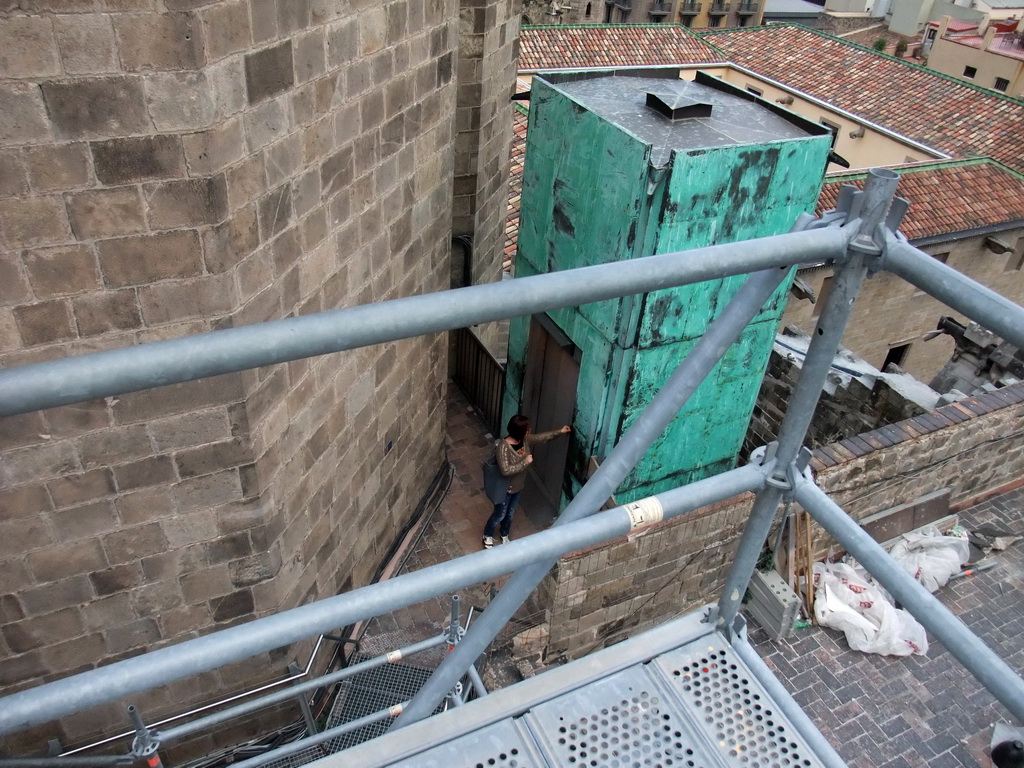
(689,8)
(660,9)
(747,8)
(625,5)
(719,8)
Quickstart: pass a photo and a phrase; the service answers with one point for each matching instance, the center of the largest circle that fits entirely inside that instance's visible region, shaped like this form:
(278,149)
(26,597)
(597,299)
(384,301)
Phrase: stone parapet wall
(602,595)
(175,167)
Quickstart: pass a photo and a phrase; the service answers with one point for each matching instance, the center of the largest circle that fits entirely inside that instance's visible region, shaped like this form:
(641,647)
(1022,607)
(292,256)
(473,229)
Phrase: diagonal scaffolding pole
(981,304)
(874,201)
(118,371)
(720,335)
(981,661)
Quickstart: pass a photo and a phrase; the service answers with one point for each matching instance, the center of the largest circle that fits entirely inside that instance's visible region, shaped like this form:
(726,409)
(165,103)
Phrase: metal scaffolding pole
(664,407)
(974,300)
(54,700)
(989,669)
(114,372)
(874,205)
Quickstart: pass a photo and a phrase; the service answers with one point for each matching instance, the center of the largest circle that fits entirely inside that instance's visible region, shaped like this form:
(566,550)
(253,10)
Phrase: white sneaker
(488,542)
(504,539)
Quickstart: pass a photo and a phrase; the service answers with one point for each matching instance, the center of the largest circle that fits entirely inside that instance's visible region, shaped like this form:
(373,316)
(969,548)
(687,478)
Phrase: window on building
(832,127)
(755,91)
(744,21)
(823,292)
(715,22)
(942,258)
(895,356)
(1001,84)
(970,72)
(686,21)
(589,9)
(1015,261)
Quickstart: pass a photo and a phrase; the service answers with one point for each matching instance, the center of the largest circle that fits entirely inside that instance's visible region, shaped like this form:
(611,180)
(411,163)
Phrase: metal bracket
(146,742)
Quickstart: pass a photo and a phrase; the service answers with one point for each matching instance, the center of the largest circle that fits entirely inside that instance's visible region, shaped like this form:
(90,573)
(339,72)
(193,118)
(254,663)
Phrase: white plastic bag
(847,601)
(930,557)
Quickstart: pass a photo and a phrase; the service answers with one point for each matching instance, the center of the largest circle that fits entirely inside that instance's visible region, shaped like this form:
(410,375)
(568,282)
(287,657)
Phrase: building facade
(175,168)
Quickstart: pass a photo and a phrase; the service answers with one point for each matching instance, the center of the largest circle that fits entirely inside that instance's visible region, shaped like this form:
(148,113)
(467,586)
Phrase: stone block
(44,323)
(156,599)
(23,117)
(228,243)
(87,44)
(25,534)
(58,167)
(105,212)
(233,606)
(146,505)
(208,152)
(207,584)
(266,124)
(33,221)
(21,430)
(114,446)
(310,56)
(226,28)
(29,47)
(284,159)
(76,558)
(213,458)
(14,286)
(246,181)
(78,418)
(135,543)
(146,258)
(203,297)
(132,636)
(142,158)
(274,212)
(207,491)
(269,72)
(78,654)
(181,101)
(342,43)
(155,470)
(75,489)
(47,598)
(23,501)
(264,20)
(188,203)
(13,176)
(96,107)
(159,41)
(227,548)
(190,430)
(21,667)
(86,521)
(337,172)
(100,313)
(178,399)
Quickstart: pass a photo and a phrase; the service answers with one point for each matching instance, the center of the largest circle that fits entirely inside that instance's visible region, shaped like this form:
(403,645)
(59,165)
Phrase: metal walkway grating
(681,697)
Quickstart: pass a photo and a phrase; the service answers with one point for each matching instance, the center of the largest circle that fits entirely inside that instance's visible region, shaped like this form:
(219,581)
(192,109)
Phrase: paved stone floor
(878,712)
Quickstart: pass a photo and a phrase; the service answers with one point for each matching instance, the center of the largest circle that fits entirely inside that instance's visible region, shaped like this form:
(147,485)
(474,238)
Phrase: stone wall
(891,312)
(599,596)
(175,167)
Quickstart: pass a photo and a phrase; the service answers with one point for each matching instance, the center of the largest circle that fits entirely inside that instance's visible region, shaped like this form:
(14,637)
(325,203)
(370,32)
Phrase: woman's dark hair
(518,426)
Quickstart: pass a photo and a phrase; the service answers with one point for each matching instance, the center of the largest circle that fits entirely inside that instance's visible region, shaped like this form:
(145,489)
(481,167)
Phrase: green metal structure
(626,165)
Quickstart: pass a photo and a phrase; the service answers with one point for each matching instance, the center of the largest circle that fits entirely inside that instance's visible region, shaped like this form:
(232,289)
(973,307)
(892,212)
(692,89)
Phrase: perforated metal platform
(641,703)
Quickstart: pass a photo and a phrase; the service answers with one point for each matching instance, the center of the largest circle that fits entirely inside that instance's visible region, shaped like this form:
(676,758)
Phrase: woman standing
(514,454)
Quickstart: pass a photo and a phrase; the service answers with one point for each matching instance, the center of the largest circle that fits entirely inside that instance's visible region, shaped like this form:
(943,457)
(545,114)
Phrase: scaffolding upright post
(683,382)
(869,214)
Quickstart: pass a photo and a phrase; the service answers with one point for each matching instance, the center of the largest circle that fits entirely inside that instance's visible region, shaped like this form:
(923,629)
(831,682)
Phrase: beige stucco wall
(950,58)
(890,312)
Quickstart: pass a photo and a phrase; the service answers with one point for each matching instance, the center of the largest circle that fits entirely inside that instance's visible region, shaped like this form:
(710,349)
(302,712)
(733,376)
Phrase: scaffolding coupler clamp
(146,743)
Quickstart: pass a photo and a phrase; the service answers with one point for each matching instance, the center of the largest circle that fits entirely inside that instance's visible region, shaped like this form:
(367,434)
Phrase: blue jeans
(502,513)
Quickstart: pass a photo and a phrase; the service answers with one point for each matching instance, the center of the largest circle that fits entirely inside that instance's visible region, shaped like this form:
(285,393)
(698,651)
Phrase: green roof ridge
(930,165)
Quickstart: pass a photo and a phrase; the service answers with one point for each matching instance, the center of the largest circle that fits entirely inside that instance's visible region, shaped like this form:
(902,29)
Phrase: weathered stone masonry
(175,167)
(602,595)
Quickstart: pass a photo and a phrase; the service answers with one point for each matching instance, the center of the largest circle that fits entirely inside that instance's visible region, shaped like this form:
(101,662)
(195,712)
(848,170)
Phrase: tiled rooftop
(603,45)
(947,197)
(942,112)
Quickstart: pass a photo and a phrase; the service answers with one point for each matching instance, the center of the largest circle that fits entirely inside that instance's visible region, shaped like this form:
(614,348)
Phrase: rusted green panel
(599,189)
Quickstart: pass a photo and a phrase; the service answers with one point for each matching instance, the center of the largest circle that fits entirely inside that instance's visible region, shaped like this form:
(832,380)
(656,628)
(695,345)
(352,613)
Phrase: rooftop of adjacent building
(950,115)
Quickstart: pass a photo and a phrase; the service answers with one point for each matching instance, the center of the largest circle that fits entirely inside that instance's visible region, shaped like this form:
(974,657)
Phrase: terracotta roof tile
(603,45)
(950,115)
